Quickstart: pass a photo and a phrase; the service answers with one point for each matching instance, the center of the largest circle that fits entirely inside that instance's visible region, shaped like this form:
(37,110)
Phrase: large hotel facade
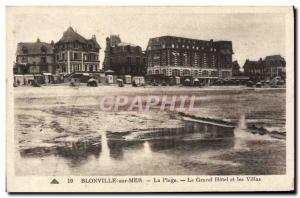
(169,56)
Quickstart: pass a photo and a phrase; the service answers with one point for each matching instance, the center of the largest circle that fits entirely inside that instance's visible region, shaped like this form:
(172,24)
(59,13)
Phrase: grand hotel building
(189,58)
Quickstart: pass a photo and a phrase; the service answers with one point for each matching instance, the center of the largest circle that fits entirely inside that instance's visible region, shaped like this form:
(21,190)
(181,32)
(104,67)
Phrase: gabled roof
(259,63)
(71,36)
(94,42)
(38,47)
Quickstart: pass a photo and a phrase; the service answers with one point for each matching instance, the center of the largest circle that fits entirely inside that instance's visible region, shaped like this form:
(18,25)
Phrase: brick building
(265,69)
(74,53)
(124,58)
(189,58)
(275,66)
(34,58)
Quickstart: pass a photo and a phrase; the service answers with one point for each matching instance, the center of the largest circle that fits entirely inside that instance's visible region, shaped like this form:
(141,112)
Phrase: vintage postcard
(150,99)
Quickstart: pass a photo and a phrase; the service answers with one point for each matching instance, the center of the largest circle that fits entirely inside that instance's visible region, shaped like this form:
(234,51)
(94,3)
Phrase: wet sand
(62,134)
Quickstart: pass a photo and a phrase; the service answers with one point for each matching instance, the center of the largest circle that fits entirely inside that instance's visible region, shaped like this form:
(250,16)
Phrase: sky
(253,35)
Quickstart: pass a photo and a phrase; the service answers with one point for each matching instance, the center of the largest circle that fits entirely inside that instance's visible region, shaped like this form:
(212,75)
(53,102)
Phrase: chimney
(52,43)
(38,40)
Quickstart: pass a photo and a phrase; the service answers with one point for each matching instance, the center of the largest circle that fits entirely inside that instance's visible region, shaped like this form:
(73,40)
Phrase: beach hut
(92,82)
(139,81)
(47,77)
(196,82)
(19,80)
(109,79)
(177,80)
(249,83)
(28,79)
(120,82)
(187,82)
(258,85)
(127,79)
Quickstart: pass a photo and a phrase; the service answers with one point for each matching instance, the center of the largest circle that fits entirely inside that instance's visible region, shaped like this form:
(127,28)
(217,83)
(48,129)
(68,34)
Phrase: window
(129,60)
(214,73)
(76,57)
(186,72)
(195,73)
(137,60)
(175,72)
(205,73)
(24,59)
(43,59)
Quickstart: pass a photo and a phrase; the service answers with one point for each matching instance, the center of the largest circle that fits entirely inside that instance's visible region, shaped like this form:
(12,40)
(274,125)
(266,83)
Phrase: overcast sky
(253,35)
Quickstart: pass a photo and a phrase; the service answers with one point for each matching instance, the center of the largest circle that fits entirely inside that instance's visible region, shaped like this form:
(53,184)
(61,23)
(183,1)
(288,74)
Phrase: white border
(4,3)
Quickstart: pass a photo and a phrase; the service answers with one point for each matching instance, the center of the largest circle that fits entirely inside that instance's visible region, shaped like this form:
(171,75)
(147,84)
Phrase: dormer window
(24,50)
(43,49)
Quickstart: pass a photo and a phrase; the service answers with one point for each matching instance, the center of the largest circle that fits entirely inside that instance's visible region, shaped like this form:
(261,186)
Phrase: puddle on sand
(112,143)
(193,148)
(195,129)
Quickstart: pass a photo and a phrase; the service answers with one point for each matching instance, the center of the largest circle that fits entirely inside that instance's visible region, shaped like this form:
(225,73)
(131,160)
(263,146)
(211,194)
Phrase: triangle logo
(54,181)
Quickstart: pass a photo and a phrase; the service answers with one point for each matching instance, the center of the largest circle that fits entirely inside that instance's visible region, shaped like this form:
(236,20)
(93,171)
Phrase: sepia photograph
(150,99)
